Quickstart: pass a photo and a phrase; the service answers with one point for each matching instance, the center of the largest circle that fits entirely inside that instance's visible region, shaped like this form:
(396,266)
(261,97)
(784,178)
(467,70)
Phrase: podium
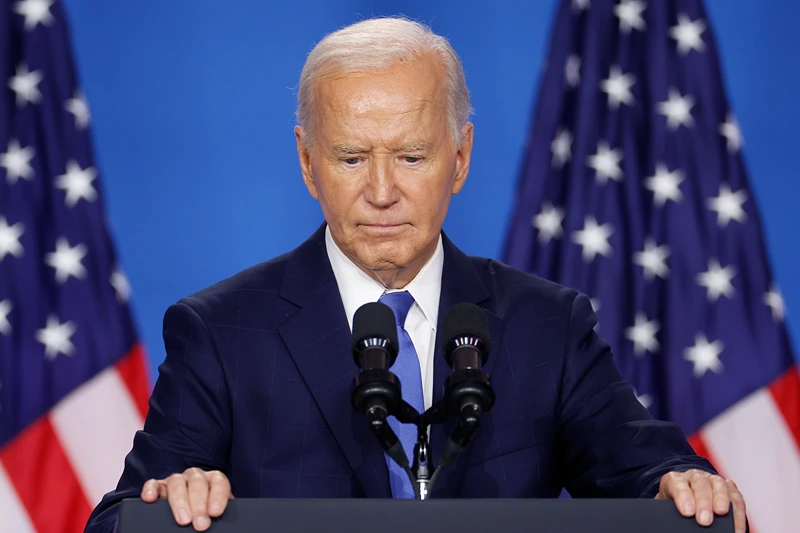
(445,515)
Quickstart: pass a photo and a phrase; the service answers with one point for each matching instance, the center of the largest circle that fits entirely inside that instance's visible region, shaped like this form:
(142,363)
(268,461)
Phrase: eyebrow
(414,146)
(347,149)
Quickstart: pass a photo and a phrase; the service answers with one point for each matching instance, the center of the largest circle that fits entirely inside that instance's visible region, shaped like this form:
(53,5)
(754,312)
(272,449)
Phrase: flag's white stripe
(96,424)
(13,517)
(752,445)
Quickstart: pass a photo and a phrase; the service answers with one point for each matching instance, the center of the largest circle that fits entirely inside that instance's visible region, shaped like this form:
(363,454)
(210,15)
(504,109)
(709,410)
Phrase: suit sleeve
(608,444)
(188,423)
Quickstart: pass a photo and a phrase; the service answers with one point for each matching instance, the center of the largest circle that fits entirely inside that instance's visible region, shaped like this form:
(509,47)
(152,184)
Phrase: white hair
(374,45)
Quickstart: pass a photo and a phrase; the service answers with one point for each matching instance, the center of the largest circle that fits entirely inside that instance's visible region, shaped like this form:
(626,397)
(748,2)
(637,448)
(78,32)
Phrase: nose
(381,190)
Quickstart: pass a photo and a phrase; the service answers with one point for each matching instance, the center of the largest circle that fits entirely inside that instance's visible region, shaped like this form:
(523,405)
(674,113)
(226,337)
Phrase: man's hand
(700,494)
(194,496)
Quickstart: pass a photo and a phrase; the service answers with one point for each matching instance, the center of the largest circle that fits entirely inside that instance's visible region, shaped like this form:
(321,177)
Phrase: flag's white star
(67,260)
(5,309)
(25,84)
(581,5)
(653,259)
(665,185)
(78,106)
(606,163)
(594,238)
(120,283)
(677,109)
(717,280)
(561,147)
(630,15)
(645,399)
(78,183)
(17,162)
(728,205)
(548,222)
(733,135)
(35,12)
(572,71)
(9,238)
(618,87)
(687,33)
(774,299)
(56,337)
(704,355)
(643,335)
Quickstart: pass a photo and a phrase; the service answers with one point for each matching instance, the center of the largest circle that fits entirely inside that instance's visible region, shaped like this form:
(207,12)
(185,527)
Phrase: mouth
(382,227)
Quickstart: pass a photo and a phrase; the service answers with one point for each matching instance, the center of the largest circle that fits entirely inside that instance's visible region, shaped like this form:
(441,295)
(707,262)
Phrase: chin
(378,257)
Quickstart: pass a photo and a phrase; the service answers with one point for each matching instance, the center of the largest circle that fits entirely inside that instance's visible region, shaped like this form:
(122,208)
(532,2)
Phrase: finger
(219,494)
(178,499)
(198,498)
(703,497)
(675,486)
(739,508)
(150,491)
(162,489)
(721,498)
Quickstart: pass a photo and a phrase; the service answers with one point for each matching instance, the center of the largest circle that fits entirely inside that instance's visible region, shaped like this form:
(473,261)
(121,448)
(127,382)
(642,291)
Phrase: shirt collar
(357,288)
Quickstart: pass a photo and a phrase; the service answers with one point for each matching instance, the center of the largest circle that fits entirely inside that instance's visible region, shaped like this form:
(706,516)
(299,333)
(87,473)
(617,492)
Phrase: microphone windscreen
(465,320)
(371,320)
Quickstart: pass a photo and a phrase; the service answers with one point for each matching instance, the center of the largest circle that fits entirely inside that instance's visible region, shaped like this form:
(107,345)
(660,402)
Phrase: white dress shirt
(357,288)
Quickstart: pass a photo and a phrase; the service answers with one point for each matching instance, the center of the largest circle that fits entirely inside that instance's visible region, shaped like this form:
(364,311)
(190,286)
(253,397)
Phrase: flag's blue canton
(633,191)
(58,326)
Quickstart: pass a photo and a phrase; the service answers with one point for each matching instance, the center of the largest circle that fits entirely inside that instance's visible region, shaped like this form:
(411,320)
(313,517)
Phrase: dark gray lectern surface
(459,516)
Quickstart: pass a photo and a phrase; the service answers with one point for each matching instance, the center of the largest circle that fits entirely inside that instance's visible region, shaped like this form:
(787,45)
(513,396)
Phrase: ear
(304,155)
(463,157)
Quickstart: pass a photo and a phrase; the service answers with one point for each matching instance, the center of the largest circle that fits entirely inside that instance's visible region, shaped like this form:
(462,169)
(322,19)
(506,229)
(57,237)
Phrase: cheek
(338,198)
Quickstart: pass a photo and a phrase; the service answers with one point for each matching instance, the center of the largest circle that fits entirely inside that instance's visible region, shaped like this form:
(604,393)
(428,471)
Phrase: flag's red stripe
(133,370)
(44,480)
(700,448)
(786,393)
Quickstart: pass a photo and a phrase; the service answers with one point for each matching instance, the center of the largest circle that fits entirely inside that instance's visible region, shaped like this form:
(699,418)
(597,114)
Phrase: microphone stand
(422,473)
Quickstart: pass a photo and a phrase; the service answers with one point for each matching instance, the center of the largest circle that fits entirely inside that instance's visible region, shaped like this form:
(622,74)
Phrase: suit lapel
(460,283)
(318,339)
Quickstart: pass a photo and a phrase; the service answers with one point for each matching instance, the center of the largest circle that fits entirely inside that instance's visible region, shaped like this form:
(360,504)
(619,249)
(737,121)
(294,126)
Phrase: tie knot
(399,303)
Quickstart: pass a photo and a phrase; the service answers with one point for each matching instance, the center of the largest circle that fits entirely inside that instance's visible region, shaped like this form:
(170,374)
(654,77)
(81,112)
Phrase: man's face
(384,165)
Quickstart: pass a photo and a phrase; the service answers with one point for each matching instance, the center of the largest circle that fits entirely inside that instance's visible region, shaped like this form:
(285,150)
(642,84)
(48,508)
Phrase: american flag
(633,190)
(73,381)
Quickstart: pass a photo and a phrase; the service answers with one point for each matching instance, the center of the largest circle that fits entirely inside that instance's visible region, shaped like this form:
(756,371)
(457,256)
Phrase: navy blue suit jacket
(257,379)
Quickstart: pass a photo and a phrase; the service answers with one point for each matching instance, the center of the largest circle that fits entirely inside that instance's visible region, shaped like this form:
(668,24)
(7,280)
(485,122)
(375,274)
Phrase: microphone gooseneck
(468,390)
(376,393)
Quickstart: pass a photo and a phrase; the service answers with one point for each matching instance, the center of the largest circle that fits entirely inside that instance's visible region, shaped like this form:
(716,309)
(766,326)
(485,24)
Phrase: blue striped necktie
(406,368)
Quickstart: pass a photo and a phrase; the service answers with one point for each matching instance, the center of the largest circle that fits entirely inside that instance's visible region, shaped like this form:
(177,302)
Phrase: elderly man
(253,397)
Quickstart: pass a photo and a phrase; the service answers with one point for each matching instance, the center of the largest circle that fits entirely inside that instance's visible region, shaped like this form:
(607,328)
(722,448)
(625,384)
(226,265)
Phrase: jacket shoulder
(511,288)
(224,300)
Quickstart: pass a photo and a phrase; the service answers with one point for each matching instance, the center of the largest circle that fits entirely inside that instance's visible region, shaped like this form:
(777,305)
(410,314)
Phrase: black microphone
(374,341)
(376,392)
(374,347)
(466,332)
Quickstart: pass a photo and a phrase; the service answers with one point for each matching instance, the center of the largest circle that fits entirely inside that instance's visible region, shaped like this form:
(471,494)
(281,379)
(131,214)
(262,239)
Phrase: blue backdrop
(193,104)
